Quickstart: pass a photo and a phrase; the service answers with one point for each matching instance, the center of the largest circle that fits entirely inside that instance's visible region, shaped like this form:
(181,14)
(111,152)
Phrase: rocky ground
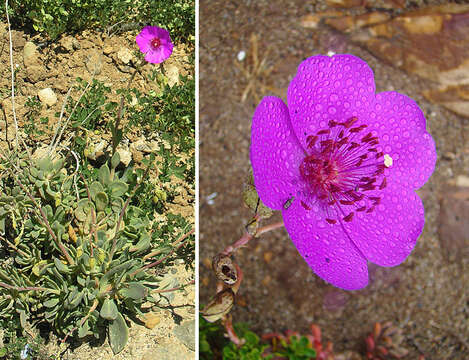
(252,49)
(45,71)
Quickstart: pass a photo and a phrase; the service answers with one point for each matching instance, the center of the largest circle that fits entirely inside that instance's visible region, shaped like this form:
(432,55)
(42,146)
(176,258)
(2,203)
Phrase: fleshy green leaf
(84,330)
(109,310)
(51,303)
(143,243)
(101,201)
(118,334)
(95,188)
(82,210)
(115,160)
(135,291)
(118,188)
(104,175)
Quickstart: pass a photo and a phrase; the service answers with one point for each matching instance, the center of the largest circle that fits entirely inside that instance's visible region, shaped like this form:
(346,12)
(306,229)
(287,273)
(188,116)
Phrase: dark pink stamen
(155,43)
(341,167)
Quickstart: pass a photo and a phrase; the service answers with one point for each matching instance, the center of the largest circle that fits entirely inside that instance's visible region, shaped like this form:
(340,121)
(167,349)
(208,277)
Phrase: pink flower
(342,164)
(155,43)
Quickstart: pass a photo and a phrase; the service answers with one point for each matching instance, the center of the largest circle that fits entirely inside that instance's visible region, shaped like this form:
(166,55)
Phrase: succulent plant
(385,342)
(76,250)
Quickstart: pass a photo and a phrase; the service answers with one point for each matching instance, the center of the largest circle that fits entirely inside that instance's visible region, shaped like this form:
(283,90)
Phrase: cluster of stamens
(155,43)
(342,166)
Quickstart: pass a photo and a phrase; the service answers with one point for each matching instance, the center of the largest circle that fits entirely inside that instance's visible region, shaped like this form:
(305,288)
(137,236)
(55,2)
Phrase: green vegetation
(172,112)
(213,345)
(14,346)
(30,127)
(55,17)
(80,249)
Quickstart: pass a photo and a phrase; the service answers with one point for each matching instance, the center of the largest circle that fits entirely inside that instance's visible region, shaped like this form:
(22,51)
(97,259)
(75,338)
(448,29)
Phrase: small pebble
(207,263)
(462,181)
(268,256)
(151,320)
(47,96)
(210,198)
(241,55)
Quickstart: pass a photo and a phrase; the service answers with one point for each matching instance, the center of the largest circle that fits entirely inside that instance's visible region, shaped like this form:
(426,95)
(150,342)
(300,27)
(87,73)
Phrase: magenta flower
(342,164)
(155,43)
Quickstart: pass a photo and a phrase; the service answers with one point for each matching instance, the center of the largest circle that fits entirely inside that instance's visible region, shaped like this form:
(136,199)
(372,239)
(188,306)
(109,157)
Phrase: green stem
(94,227)
(26,288)
(159,291)
(124,208)
(14,247)
(45,221)
(157,252)
(121,107)
(157,262)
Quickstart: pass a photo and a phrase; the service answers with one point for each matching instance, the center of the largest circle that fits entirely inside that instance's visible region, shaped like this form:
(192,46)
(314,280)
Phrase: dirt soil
(107,58)
(427,296)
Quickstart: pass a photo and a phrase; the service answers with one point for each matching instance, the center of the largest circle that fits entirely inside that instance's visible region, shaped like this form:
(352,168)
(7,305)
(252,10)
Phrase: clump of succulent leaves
(71,253)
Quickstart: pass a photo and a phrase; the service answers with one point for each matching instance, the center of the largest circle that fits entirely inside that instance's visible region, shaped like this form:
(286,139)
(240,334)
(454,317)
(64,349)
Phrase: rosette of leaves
(77,249)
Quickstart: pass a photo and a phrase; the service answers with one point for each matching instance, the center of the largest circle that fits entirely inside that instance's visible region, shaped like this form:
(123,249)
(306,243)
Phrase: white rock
(67,43)
(47,96)
(166,145)
(108,50)
(172,73)
(462,180)
(30,54)
(125,155)
(41,152)
(154,146)
(124,55)
(144,146)
(241,55)
(94,63)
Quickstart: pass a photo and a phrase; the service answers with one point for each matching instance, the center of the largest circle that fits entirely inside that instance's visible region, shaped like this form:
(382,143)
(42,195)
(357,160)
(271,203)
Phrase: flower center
(342,167)
(155,43)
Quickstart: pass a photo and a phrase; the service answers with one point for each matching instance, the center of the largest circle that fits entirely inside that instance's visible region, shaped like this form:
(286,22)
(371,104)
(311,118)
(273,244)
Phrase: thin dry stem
(158,291)
(13,85)
(13,246)
(20,288)
(124,208)
(6,127)
(92,308)
(93,218)
(157,252)
(121,105)
(59,123)
(258,71)
(58,134)
(44,220)
(229,250)
(155,263)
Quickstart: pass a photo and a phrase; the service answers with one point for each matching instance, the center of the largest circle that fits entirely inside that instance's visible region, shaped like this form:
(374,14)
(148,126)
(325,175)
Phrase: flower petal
(329,88)
(275,153)
(326,248)
(157,56)
(144,38)
(388,235)
(400,125)
(163,35)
